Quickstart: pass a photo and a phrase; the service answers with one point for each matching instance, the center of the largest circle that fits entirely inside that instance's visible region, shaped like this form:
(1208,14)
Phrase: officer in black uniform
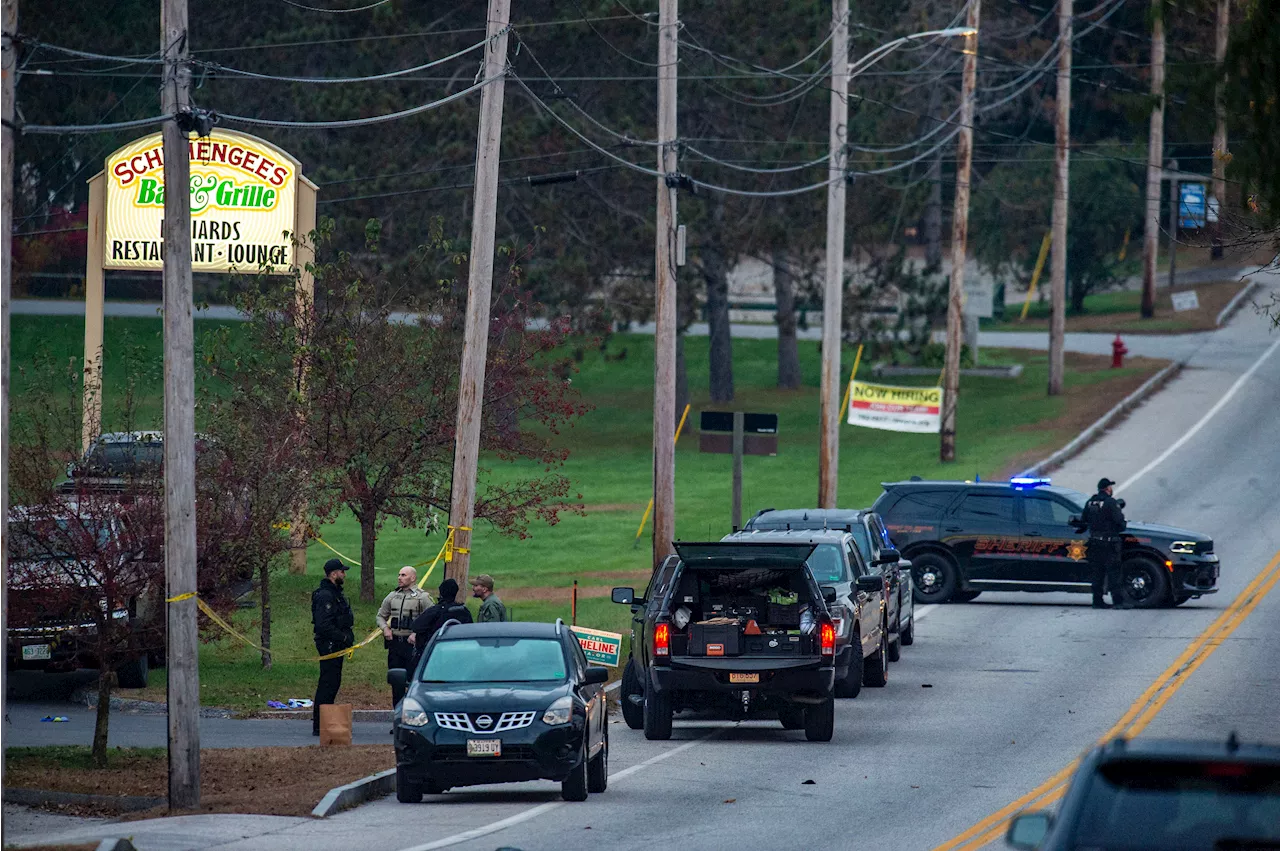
(429,622)
(331,620)
(1104,516)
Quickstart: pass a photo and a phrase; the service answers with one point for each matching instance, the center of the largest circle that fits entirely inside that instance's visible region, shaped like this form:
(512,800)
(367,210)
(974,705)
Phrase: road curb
(1149,388)
(42,797)
(354,794)
(1235,303)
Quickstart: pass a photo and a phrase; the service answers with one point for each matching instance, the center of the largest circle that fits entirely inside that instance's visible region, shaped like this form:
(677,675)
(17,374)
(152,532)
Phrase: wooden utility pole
(8,91)
(179,420)
(1062,163)
(664,334)
(833,292)
(960,233)
(1173,220)
(475,347)
(1220,128)
(1155,162)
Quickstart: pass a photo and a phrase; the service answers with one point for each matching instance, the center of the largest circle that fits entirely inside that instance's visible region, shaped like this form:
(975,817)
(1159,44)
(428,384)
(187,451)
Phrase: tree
(1011,211)
(381,367)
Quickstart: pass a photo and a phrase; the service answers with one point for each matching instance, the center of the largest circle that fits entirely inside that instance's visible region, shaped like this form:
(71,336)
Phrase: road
(996,696)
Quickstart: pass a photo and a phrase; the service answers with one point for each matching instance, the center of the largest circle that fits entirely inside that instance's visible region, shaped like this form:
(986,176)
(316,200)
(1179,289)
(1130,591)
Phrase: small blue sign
(1191,205)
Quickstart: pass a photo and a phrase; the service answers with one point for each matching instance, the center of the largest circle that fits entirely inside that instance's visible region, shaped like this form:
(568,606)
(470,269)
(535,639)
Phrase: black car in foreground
(731,627)
(1157,795)
(964,538)
(502,703)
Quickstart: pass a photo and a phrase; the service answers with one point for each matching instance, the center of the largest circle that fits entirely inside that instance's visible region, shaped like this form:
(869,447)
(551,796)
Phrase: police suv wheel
(935,577)
(1144,584)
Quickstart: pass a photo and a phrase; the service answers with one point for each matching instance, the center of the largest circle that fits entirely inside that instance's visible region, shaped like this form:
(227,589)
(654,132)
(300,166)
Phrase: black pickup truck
(734,626)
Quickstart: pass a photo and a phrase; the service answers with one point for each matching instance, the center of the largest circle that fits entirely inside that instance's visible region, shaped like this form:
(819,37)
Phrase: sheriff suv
(732,626)
(964,538)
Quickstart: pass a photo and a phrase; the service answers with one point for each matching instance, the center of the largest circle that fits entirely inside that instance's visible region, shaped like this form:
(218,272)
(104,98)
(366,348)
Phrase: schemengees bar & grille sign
(244,197)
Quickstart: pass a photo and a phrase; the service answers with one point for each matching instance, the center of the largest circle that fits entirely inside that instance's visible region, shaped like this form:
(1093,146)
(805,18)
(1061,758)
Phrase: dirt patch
(617,574)
(267,781)
(1085,405)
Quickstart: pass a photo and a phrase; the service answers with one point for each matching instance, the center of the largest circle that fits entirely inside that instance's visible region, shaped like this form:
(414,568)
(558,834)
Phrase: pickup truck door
(878,539)
(642,616)
(869,605)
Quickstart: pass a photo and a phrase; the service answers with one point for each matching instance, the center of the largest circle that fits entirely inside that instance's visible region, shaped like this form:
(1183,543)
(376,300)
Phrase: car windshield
(491,660)
(53,539)
(123,458)
(827,564)
(1177,806)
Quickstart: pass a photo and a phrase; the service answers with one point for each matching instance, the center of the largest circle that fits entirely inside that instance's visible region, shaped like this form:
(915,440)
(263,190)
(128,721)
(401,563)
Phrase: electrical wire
(73,129)
(214,66)
(365,8)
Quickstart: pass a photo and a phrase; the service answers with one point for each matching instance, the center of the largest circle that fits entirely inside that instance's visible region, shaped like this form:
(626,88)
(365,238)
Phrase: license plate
(484,747)
(36,652)
(744,678)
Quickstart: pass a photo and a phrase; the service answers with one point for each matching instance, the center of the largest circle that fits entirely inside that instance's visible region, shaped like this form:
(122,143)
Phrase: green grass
(610,465)
(77,757)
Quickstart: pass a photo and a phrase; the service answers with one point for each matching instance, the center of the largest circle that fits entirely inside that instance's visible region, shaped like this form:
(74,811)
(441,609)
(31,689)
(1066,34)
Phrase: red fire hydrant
(1118,351)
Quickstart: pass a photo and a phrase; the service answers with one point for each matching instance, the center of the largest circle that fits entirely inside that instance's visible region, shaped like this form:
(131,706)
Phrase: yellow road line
(1139,714)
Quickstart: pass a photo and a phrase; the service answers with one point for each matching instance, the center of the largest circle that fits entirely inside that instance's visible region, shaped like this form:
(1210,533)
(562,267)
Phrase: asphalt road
(996,695)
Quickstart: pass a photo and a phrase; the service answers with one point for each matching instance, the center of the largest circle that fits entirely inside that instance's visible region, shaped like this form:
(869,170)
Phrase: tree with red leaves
(370,371)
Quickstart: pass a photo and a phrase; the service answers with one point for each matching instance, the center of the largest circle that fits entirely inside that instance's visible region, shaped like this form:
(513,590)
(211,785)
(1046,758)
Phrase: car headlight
(558,712)
(412,714)
(1185,548)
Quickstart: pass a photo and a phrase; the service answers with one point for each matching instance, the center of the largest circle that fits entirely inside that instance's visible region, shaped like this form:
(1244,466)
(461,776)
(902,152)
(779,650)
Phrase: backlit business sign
(244,195)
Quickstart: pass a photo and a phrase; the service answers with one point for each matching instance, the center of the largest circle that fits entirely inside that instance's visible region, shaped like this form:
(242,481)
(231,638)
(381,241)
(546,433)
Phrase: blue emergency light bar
(1026,483)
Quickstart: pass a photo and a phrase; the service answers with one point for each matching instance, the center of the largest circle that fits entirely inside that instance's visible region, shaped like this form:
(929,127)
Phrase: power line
(389,75)
(364,8)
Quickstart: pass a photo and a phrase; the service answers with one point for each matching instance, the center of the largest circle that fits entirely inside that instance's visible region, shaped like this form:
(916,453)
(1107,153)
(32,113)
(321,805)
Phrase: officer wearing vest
(1104,516)
(395,618)
(331,620)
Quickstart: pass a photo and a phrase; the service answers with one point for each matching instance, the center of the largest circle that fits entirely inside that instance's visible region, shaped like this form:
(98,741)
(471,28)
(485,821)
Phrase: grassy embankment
(1002,425)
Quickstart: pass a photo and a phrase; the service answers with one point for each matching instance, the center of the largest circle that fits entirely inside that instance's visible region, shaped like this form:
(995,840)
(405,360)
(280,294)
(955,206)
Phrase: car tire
(908,635)
(134,673)
(632,711)
(657,715)
(935,578)
(820,721)
(1144,584)
(851,685)
(895,649)
(407,792)
(575,787)
(792,717)
(598,768)
(875,668)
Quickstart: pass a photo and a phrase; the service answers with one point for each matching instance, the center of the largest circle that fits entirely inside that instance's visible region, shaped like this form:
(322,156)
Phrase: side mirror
(595,675)
(870,584)
(397,677)
(888,556)
(829,594)
(623,596)
(1028,830)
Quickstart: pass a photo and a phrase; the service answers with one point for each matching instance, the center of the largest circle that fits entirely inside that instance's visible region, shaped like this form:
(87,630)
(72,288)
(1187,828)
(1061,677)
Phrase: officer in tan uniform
(395,617)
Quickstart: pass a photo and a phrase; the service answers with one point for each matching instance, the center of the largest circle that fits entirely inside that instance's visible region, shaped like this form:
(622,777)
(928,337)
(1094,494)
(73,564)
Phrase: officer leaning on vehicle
(331,621)
(396,615)
(1104,517)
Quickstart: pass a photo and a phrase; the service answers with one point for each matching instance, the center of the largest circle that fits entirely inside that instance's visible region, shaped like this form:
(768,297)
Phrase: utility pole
(179,419)
(833,292)
(1062,165)
(1155,160)
(8,91)
(664,334)
(960,233)
(475,346)
(1220,129)
(1173,220)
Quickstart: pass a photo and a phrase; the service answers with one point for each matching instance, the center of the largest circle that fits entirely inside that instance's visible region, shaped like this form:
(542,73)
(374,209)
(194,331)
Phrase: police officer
(1104,516)
(429,622)
(491,608)
(396,614)
(331,620)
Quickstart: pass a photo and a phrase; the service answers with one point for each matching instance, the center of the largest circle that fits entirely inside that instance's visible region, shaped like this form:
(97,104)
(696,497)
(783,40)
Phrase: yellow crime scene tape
(445,553)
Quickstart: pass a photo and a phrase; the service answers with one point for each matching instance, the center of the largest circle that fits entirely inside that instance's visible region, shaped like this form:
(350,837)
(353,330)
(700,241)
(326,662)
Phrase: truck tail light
(828,638)
(662,639)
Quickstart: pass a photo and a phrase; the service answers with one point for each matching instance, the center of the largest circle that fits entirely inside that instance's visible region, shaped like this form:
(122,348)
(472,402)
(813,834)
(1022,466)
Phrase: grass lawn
(1119,312)
(1003,425)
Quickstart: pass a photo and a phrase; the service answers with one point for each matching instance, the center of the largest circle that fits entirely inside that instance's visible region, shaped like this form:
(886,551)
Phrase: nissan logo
(484,722)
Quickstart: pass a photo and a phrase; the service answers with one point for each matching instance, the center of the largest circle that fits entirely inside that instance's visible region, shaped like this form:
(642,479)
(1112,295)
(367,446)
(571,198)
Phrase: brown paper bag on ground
(335,724)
